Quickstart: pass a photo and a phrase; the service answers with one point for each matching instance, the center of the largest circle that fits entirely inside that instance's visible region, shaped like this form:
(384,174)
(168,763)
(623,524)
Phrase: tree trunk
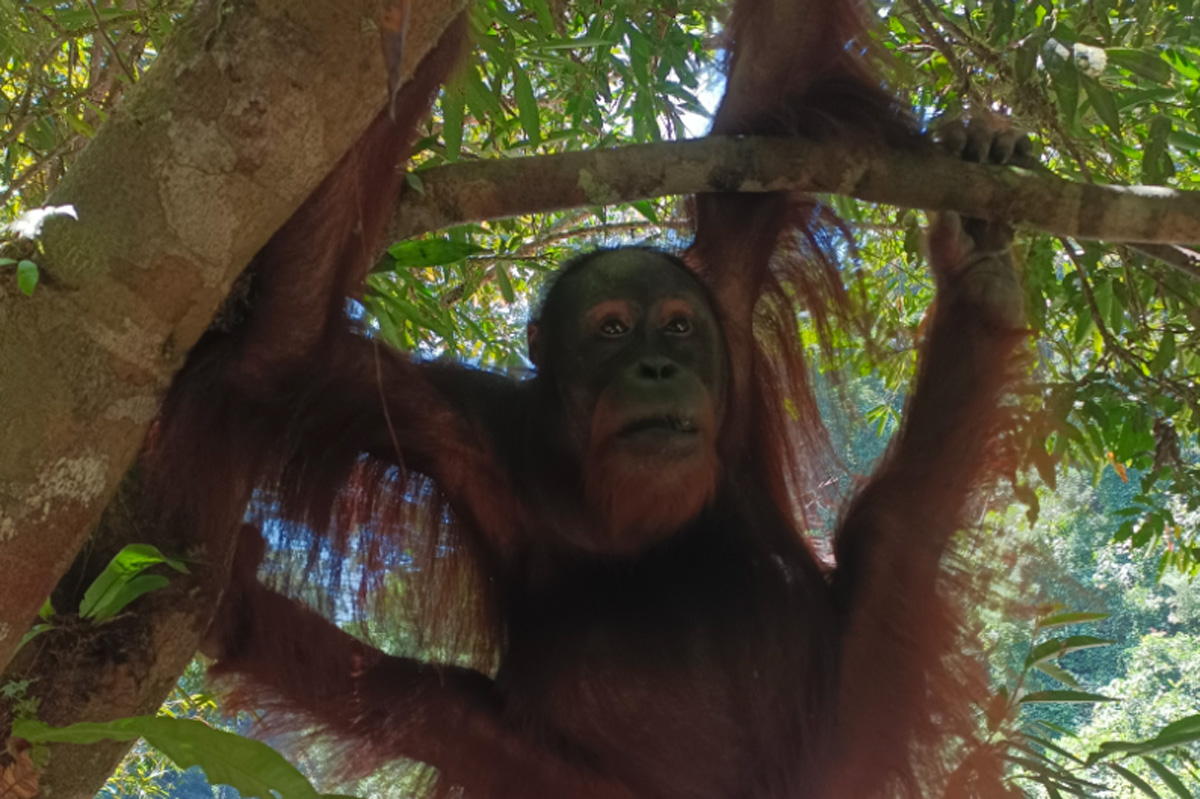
(248,109)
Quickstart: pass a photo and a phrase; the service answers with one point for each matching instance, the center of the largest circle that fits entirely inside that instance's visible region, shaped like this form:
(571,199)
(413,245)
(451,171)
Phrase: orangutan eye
(613,327)
(678,326)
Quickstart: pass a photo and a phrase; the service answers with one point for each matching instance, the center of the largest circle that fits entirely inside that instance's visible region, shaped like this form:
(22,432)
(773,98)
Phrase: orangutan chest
(661,707)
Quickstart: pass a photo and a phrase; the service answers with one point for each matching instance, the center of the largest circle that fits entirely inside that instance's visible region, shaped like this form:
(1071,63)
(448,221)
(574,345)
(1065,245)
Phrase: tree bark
(82,671)
(478,190)
(248,109)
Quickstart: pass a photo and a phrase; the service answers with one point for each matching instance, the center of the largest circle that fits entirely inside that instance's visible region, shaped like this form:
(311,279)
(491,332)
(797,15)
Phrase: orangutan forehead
(634,273)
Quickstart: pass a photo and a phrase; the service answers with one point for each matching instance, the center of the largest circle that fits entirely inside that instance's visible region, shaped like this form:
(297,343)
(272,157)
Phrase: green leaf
(1051,791)
(1040,764)
(109,593)
(1181,63)
(646,209)
(1056,648)
(454,101)
(1065,78)
(1026,59)
(1042,697)
(142,556)
(583,42)
(1103,292)
(126,593)
(33,632)
(27,277)
(1003,12)
(1103,104)
(505,285)
(1134,780)
(1058,673)
(639,54)
(1184,730)
(1143,63)
(482,102)
(1184,140)
(1166,775)
(1083,326)
(1157,166)
(420,316)
(1059,619)
(251,767)
(527,106)
(431,252)
(79,125)
(1177,733)
(1136,97)
(378,308)
(1056,748)
(542,13)
(1165,355)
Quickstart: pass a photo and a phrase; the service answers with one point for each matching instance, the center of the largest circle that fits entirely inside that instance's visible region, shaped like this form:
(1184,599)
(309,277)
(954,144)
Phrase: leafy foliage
(122,581)
(1044,754)
(251,767)
(1110,90)
(117,586)
(66,65)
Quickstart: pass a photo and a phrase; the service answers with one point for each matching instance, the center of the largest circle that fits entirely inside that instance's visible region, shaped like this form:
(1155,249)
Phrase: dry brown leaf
(19,780)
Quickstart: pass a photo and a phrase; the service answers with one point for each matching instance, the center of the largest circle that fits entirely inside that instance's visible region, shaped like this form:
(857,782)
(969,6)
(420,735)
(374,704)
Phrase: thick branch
(478,190)
(250,107)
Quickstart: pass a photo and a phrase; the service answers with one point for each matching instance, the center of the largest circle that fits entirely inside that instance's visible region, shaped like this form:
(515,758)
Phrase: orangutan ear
(534,340)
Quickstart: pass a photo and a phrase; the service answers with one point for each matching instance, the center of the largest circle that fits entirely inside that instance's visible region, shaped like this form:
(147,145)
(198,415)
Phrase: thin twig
(943,47)
(1182,259)
(36,168)
(112,47)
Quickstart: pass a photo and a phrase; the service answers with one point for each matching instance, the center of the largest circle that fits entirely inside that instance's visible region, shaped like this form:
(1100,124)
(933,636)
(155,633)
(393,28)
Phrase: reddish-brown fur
(723,662)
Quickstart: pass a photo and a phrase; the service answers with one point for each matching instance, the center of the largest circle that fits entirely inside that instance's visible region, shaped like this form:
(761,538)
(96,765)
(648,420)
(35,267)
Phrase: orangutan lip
(670,424)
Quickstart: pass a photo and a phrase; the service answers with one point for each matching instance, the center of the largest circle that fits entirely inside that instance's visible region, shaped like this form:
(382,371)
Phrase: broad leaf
(1039,697)
(110,593)
(251,767)
(431,252)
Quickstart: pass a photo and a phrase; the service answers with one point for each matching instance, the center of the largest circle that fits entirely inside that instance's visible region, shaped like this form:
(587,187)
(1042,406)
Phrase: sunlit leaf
(1102,103)
(1059,619)
(1134,780)
(454,101)
(1169,777)
(1165,354)
(1058,673)
(431,252)
(27,277)
(1144,63)
(1041,697)
(250,767)
(505,285)
(1157,166)
(1065,79)
(121,582)
(527,106)
(1056,648)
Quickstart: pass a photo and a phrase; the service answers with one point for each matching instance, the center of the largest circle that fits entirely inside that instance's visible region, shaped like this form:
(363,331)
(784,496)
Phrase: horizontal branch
(494,189)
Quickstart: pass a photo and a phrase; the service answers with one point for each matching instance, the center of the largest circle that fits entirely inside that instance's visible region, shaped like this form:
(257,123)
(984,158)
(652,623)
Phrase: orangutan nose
(657,369)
